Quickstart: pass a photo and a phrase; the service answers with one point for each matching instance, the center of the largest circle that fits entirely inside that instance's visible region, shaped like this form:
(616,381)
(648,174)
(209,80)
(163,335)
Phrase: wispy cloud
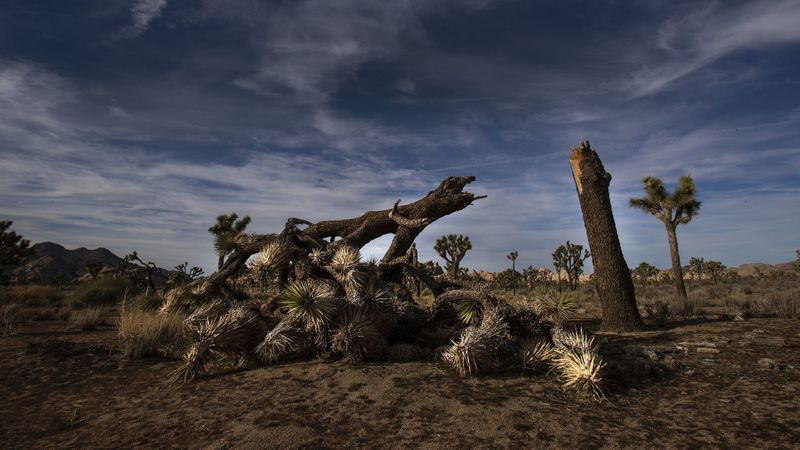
(143,12)
(711,31)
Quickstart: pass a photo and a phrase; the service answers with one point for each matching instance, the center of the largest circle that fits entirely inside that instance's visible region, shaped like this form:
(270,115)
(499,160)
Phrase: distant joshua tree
(644,272)
(94,268)
(187,275)
(452,248)
(673,209)
(714,269)
(697,267)
(513,257)
(225,232)
(569,257)
(536,277)
(144,274)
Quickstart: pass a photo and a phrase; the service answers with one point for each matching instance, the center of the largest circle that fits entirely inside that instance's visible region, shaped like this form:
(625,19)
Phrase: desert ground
(705,380)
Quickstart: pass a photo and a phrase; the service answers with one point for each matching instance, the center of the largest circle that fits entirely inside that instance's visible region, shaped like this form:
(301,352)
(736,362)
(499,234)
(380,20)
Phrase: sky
(132,124)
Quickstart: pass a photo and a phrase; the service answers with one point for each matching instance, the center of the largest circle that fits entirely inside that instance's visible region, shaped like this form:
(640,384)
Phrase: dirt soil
(691,385)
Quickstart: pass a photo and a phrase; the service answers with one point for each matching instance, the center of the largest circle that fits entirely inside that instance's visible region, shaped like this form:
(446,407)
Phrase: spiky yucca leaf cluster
(477,348)
(556,306)
(578,361)
(536,352)
(270,259)
(469,311)
(580,370)
(319,257)
(312,303)
(572,340)
(226,336)
(206,312)
(345,259)
(374,296)
(288,338)
(357,336)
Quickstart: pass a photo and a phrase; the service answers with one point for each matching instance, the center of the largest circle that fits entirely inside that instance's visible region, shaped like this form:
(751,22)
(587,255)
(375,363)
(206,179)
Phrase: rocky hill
(51,261)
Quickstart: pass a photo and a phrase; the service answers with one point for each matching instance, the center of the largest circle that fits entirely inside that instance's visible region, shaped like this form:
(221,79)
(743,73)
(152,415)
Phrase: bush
(785,305)
(8,319)
(144,302)
(33,295)
(86,319)
(144,333)
(100,292)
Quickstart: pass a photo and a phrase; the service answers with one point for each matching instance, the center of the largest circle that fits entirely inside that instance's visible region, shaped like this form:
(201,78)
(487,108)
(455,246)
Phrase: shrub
(33,295)
(100,292)
(86,319)
(785,304)
(659,312)
(8,319)
(145,333)
(145,302)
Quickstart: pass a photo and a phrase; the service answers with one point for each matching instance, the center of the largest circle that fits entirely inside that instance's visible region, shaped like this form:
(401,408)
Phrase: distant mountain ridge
(51,261)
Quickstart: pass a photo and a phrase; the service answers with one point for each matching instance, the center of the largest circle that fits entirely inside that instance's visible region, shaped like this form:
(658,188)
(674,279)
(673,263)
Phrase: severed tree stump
(612,277)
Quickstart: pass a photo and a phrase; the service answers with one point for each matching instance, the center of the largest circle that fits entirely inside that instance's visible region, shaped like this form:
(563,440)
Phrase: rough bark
(611,274)
(677,270)
(404,221)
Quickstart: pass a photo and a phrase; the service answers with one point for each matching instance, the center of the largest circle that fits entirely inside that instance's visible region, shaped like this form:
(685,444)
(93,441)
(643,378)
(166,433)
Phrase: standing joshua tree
(513,257)
(225,232)
(453,248)
(672,210)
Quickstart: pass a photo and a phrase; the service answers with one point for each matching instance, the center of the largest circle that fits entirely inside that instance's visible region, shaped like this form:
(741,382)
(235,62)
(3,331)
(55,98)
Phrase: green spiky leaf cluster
(469,311)
(313,304)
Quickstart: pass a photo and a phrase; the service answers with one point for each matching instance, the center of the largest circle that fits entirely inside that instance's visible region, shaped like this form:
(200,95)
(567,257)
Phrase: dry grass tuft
(32,295)
(8,319)
(86,319)
(144,333)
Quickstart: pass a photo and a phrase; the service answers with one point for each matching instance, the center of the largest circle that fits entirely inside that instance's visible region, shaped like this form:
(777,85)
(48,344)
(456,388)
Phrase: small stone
(707,350)
(671,363)
(650,354)
(739,317)
(767,363)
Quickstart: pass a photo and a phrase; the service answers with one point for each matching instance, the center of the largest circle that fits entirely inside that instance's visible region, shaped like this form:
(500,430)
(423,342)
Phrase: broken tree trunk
(404,221)
(612,278)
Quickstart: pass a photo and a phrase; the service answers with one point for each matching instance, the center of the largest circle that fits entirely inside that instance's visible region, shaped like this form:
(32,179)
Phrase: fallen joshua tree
(334,305)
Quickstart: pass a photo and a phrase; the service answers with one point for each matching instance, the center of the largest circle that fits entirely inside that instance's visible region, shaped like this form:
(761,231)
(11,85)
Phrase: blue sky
(132,124)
